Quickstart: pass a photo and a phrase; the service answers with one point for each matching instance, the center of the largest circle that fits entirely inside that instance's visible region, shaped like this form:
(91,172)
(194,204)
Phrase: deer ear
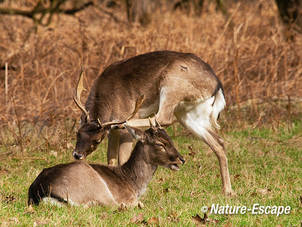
(136,133)
(157,125)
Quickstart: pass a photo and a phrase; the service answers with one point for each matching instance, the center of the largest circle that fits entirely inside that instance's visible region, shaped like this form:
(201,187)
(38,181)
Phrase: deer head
(160,148)
(92,132)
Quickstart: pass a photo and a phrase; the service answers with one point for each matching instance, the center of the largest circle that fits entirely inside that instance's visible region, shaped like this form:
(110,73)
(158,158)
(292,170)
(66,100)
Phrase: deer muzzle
(174,166)
(77,155)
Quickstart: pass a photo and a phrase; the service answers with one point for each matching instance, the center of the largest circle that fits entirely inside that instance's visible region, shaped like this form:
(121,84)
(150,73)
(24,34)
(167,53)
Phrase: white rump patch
(201,115)
(218,106)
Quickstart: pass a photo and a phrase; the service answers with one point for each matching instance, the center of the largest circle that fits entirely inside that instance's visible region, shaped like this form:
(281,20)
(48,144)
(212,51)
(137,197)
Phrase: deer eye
(97,142)
(160,144)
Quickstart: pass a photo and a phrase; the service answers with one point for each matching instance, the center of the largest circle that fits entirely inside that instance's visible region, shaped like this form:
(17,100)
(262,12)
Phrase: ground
(265,166)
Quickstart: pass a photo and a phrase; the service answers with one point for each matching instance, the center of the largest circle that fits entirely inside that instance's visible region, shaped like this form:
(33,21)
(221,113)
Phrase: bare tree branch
(110,14)
(42,11)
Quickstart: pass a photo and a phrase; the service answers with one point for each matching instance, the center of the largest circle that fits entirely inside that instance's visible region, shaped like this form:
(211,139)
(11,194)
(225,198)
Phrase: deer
(177,87)
(80,183)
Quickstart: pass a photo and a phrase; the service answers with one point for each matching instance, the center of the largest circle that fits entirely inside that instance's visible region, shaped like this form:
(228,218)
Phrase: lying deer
(92,184)
(176,86)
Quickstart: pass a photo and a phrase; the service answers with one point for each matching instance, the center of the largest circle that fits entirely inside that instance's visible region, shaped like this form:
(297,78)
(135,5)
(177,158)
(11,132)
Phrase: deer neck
(99,107)
(138,168)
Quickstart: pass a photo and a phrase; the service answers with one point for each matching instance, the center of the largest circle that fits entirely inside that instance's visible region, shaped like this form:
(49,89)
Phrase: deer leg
(125,146)
(140,205)
(197,120)
(167,102)
(217,145)
(113,147)
(164,116)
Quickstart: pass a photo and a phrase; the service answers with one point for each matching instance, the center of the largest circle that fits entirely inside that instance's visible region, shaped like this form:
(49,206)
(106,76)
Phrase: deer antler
(157,123)
(151,124)
(138,104)
(77,97)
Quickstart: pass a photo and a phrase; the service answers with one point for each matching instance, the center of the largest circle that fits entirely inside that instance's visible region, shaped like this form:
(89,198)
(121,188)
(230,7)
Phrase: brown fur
(80,182)
(166,79)
(114,93)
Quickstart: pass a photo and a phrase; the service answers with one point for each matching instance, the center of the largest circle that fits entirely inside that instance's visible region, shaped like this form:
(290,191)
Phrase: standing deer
(176,87)
(79,183)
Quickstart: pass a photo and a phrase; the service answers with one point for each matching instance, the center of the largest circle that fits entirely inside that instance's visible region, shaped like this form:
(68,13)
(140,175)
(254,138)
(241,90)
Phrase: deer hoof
(229,193)
(112,162)
(140,205)
(123,206)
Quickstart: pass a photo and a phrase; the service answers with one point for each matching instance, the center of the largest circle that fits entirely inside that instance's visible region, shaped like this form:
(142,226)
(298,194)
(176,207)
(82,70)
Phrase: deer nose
(77,156)
(182,160)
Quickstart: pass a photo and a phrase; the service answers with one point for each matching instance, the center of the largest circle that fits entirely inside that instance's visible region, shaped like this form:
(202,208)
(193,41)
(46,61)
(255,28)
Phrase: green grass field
(265,167)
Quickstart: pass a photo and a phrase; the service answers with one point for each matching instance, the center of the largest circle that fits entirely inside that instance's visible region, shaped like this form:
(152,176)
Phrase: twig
(19,127)
(75,10)
(6,153)
(6,83)
(10,67)
(50,87)
(111,15)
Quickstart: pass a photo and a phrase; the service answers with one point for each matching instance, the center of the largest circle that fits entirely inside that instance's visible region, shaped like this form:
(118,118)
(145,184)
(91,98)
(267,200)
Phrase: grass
(259,69)
(265,167)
